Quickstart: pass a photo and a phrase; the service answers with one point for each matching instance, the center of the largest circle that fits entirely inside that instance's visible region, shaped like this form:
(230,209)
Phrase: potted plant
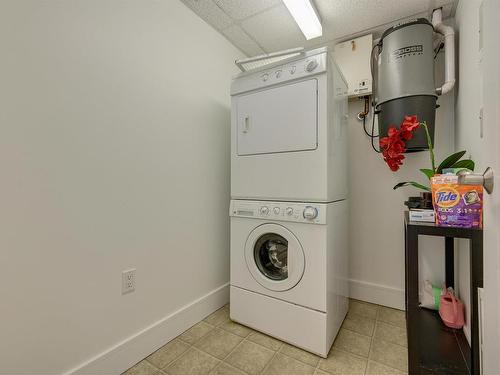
(393,147)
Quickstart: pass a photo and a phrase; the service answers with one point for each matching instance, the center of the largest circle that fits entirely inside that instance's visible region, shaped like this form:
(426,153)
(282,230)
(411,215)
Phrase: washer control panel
(314,213)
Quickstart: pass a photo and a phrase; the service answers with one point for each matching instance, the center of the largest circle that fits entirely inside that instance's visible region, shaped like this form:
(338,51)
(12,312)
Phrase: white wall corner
(466,330)
(377,293)
(125,354)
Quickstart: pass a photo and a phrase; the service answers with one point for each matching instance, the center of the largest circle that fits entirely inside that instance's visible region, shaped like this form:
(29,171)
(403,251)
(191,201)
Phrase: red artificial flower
(392,132)
(406,135)
(395,162)
(393,146)
(410,123)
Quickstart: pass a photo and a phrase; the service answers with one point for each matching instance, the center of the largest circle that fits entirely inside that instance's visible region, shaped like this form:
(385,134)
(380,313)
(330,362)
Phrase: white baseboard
(376,293)
(125,354)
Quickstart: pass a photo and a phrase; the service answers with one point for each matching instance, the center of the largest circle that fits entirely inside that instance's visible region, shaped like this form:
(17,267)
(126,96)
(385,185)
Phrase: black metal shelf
(434,348)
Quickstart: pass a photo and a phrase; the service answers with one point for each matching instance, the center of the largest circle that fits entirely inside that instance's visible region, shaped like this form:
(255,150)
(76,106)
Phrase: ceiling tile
(239,38)
(274,29)
(340,18)
(209,12)
(269,23)
(240,9)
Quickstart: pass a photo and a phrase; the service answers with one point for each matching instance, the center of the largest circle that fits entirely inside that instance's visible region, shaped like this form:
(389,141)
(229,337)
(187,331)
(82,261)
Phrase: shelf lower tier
(443,351)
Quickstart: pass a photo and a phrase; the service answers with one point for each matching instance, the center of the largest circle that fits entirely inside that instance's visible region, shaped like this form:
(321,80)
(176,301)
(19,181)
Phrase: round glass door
(271,256)
(274,257)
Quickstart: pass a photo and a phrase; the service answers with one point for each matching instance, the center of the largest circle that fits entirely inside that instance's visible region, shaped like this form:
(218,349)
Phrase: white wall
(377,236)
(114,153)
(467,107)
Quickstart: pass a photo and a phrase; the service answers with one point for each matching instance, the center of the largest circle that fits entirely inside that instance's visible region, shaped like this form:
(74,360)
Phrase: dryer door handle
(245,126)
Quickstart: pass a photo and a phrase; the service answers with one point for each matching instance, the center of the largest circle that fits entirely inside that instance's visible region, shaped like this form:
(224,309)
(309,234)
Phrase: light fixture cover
(306,16)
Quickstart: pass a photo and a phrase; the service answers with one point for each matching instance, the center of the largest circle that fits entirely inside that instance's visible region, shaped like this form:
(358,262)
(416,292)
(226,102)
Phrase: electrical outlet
(128,281)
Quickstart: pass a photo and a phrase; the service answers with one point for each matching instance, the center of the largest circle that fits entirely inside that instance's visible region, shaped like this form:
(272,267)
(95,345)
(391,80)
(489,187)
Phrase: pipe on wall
(449,49)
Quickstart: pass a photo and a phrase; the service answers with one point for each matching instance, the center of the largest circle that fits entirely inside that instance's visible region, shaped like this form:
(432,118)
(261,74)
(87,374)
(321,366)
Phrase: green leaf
(466,163)
(428,172)
(411,183)
(450,160)
(429,144)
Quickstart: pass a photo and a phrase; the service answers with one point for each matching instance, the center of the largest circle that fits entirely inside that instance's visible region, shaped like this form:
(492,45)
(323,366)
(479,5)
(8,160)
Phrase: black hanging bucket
(392,113)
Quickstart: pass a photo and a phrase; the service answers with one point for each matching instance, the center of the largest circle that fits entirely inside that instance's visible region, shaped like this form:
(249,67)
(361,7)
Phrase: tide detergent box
(456,205)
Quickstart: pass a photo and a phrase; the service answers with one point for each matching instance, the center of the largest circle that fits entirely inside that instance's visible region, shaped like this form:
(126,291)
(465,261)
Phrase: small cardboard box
(456,205)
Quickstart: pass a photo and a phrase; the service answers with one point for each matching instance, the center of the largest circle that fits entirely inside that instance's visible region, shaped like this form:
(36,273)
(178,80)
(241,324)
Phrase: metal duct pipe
(449,49)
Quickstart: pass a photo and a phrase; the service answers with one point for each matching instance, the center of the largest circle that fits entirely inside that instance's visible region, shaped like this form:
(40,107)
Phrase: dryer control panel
(313,63)
(312,213)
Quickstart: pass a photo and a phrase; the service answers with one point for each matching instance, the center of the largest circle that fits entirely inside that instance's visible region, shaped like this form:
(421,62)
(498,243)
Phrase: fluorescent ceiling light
(306,17)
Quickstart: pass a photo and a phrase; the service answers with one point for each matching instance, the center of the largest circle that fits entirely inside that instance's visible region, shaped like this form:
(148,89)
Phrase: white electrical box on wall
(353,59)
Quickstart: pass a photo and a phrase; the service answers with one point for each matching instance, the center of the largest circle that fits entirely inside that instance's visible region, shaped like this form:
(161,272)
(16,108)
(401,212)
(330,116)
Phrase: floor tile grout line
(390,324)
(359,316)
(190,346)
(269,362)
(316,368)
(244,339)
(350,330)
(231,352)
(198,350)
(145,360)
(373,335)
(221,361)
(237,345)
(180,356)
(301,361)
(373,339)
(240,343)
(385,364)
(392,368)
(371,344)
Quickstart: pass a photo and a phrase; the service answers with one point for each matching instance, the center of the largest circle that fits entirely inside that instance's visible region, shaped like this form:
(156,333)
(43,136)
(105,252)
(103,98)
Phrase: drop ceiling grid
(241,9)
(284,34)
(236,35)
(227,16)
(263,26)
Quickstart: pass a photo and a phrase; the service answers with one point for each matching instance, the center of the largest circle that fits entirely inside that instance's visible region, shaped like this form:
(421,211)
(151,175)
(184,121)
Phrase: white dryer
(289,265)
(288,131)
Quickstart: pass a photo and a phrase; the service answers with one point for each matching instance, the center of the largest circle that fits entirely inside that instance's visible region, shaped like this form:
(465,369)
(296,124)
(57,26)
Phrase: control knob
(289,211)
(276,210)
(310,212)
(264,210)
(311,65)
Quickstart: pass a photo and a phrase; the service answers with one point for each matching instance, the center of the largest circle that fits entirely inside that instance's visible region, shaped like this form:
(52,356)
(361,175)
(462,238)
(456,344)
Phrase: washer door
(274,257)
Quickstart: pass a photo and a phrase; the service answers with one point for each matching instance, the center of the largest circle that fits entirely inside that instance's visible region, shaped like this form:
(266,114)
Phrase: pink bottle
(451,310)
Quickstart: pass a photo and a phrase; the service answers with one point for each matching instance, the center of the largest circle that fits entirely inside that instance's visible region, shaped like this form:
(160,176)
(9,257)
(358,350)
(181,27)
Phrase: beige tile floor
(372,341)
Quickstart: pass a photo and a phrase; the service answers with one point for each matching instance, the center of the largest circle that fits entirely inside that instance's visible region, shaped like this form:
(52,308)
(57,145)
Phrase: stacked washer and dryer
(289,212)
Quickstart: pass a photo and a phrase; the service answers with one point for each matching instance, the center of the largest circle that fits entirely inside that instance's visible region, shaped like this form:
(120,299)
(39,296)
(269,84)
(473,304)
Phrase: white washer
(288,131)
(289,265)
